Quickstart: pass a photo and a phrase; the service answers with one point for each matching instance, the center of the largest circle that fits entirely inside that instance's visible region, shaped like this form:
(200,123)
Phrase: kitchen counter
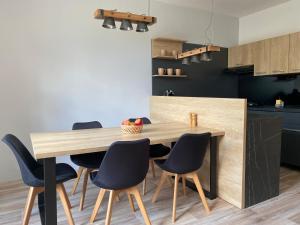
(263,148)
(289,109)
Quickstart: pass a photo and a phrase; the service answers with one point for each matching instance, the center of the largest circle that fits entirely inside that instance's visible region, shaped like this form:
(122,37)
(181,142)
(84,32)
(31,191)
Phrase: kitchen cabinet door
(294,55)
(279,55)
(261,57)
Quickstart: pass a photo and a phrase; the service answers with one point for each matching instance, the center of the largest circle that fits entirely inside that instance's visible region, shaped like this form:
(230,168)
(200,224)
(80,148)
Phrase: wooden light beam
(198,51)
(119,16)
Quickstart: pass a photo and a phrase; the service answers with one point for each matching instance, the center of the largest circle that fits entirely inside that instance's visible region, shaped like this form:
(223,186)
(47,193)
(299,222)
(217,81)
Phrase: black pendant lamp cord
(211,20)
(149,5)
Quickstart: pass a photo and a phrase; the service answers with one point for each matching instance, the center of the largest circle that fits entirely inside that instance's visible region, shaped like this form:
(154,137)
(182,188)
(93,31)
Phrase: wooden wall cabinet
(168,45)
(294,53)
(261,57)
(279,54)
(240,56)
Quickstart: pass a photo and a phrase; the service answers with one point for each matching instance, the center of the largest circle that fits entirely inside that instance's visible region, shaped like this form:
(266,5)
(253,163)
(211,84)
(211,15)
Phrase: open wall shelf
(170,76)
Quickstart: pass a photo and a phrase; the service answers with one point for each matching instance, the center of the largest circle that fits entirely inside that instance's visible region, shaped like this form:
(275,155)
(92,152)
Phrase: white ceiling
(236,8)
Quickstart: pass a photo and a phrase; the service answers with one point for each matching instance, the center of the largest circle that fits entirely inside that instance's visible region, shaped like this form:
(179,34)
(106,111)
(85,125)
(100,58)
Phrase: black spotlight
(142,27)
(126,25)
(186,61)
(195,59)
(206,56)
(109,23)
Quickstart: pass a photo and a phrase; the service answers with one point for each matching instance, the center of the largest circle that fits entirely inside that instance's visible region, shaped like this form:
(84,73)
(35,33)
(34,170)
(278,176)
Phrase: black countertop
(289,109)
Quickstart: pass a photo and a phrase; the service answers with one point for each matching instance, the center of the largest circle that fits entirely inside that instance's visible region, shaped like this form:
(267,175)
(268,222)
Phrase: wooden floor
(282,210)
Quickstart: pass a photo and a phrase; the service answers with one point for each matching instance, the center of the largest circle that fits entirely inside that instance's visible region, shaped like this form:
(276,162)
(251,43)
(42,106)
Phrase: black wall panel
(205,79)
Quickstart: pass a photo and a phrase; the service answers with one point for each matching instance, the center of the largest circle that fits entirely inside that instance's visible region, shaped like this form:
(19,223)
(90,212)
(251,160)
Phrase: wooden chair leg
(84,186)
(97,205)
(130,202)
(79,172)
(65,202)
(140,203)
(29,204)
(152,167)
(183,185)
(144,186)
(161,183)
(169,179)
(117,197)
(200,191)
(109,207)
(175,197)
(65,193)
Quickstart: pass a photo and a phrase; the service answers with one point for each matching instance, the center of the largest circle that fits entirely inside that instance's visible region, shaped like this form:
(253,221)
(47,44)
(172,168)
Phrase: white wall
(272,22)
(58,65)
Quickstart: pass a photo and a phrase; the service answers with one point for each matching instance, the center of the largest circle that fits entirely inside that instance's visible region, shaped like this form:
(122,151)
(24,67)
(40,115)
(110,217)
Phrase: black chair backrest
(86,125)
(25,160)
(188,153)
(146,120)
(125,164)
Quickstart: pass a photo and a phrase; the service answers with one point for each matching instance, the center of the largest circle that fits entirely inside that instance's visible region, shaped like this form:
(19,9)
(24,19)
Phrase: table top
(54,144)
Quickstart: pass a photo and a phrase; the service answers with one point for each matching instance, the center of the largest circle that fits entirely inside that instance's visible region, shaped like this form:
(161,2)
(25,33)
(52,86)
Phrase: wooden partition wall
(224,114)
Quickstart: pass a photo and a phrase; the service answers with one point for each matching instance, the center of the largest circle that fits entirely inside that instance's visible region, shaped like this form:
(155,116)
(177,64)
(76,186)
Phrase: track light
(126,25)
(186,61)
(142,27)
(195,59)
(206,56)
(109,23)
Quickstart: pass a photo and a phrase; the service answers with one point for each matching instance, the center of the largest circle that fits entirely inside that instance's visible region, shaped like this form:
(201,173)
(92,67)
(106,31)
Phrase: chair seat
(158,150)
(90,160)
(161,164)
(109,184)
(64,172)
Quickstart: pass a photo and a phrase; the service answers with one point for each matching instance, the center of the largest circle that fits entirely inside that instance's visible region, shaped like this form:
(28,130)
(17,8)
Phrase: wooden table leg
(213,168)
(50,203)
(212,193)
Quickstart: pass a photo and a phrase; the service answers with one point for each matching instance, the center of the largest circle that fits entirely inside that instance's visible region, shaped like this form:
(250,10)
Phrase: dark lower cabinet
(262,158)
(290,148)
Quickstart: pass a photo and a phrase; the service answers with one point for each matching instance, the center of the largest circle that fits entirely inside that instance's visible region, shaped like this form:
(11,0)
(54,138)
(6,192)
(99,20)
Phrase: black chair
(158,151)
(124,166)
(183,162)
(33,176)
(86,162)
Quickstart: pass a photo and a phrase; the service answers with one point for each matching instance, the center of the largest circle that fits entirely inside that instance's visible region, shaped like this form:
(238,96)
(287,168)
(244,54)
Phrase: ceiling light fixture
(195,59)
(126,19)
(205,52)
(109,23)
(126,25)
(186,61)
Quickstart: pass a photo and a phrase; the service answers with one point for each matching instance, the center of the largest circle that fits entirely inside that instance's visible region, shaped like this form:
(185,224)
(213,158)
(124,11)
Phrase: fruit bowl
(132,126)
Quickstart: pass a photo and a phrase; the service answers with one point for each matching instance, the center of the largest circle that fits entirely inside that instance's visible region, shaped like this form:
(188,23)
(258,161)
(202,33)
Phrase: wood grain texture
(167,44)
(294,54)
(56,144)
(282,210)
(261,57)
(280,55)
(240,56)
(224,114)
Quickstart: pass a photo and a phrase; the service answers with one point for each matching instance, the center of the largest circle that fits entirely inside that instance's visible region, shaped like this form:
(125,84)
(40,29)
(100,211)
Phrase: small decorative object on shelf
(169,93)
(161,71)
(193,119)
(279,104)
(132,126)
(170,72)
(178,72)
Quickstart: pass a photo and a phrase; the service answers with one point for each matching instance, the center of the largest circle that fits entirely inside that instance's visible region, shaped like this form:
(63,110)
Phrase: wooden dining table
(49,145)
